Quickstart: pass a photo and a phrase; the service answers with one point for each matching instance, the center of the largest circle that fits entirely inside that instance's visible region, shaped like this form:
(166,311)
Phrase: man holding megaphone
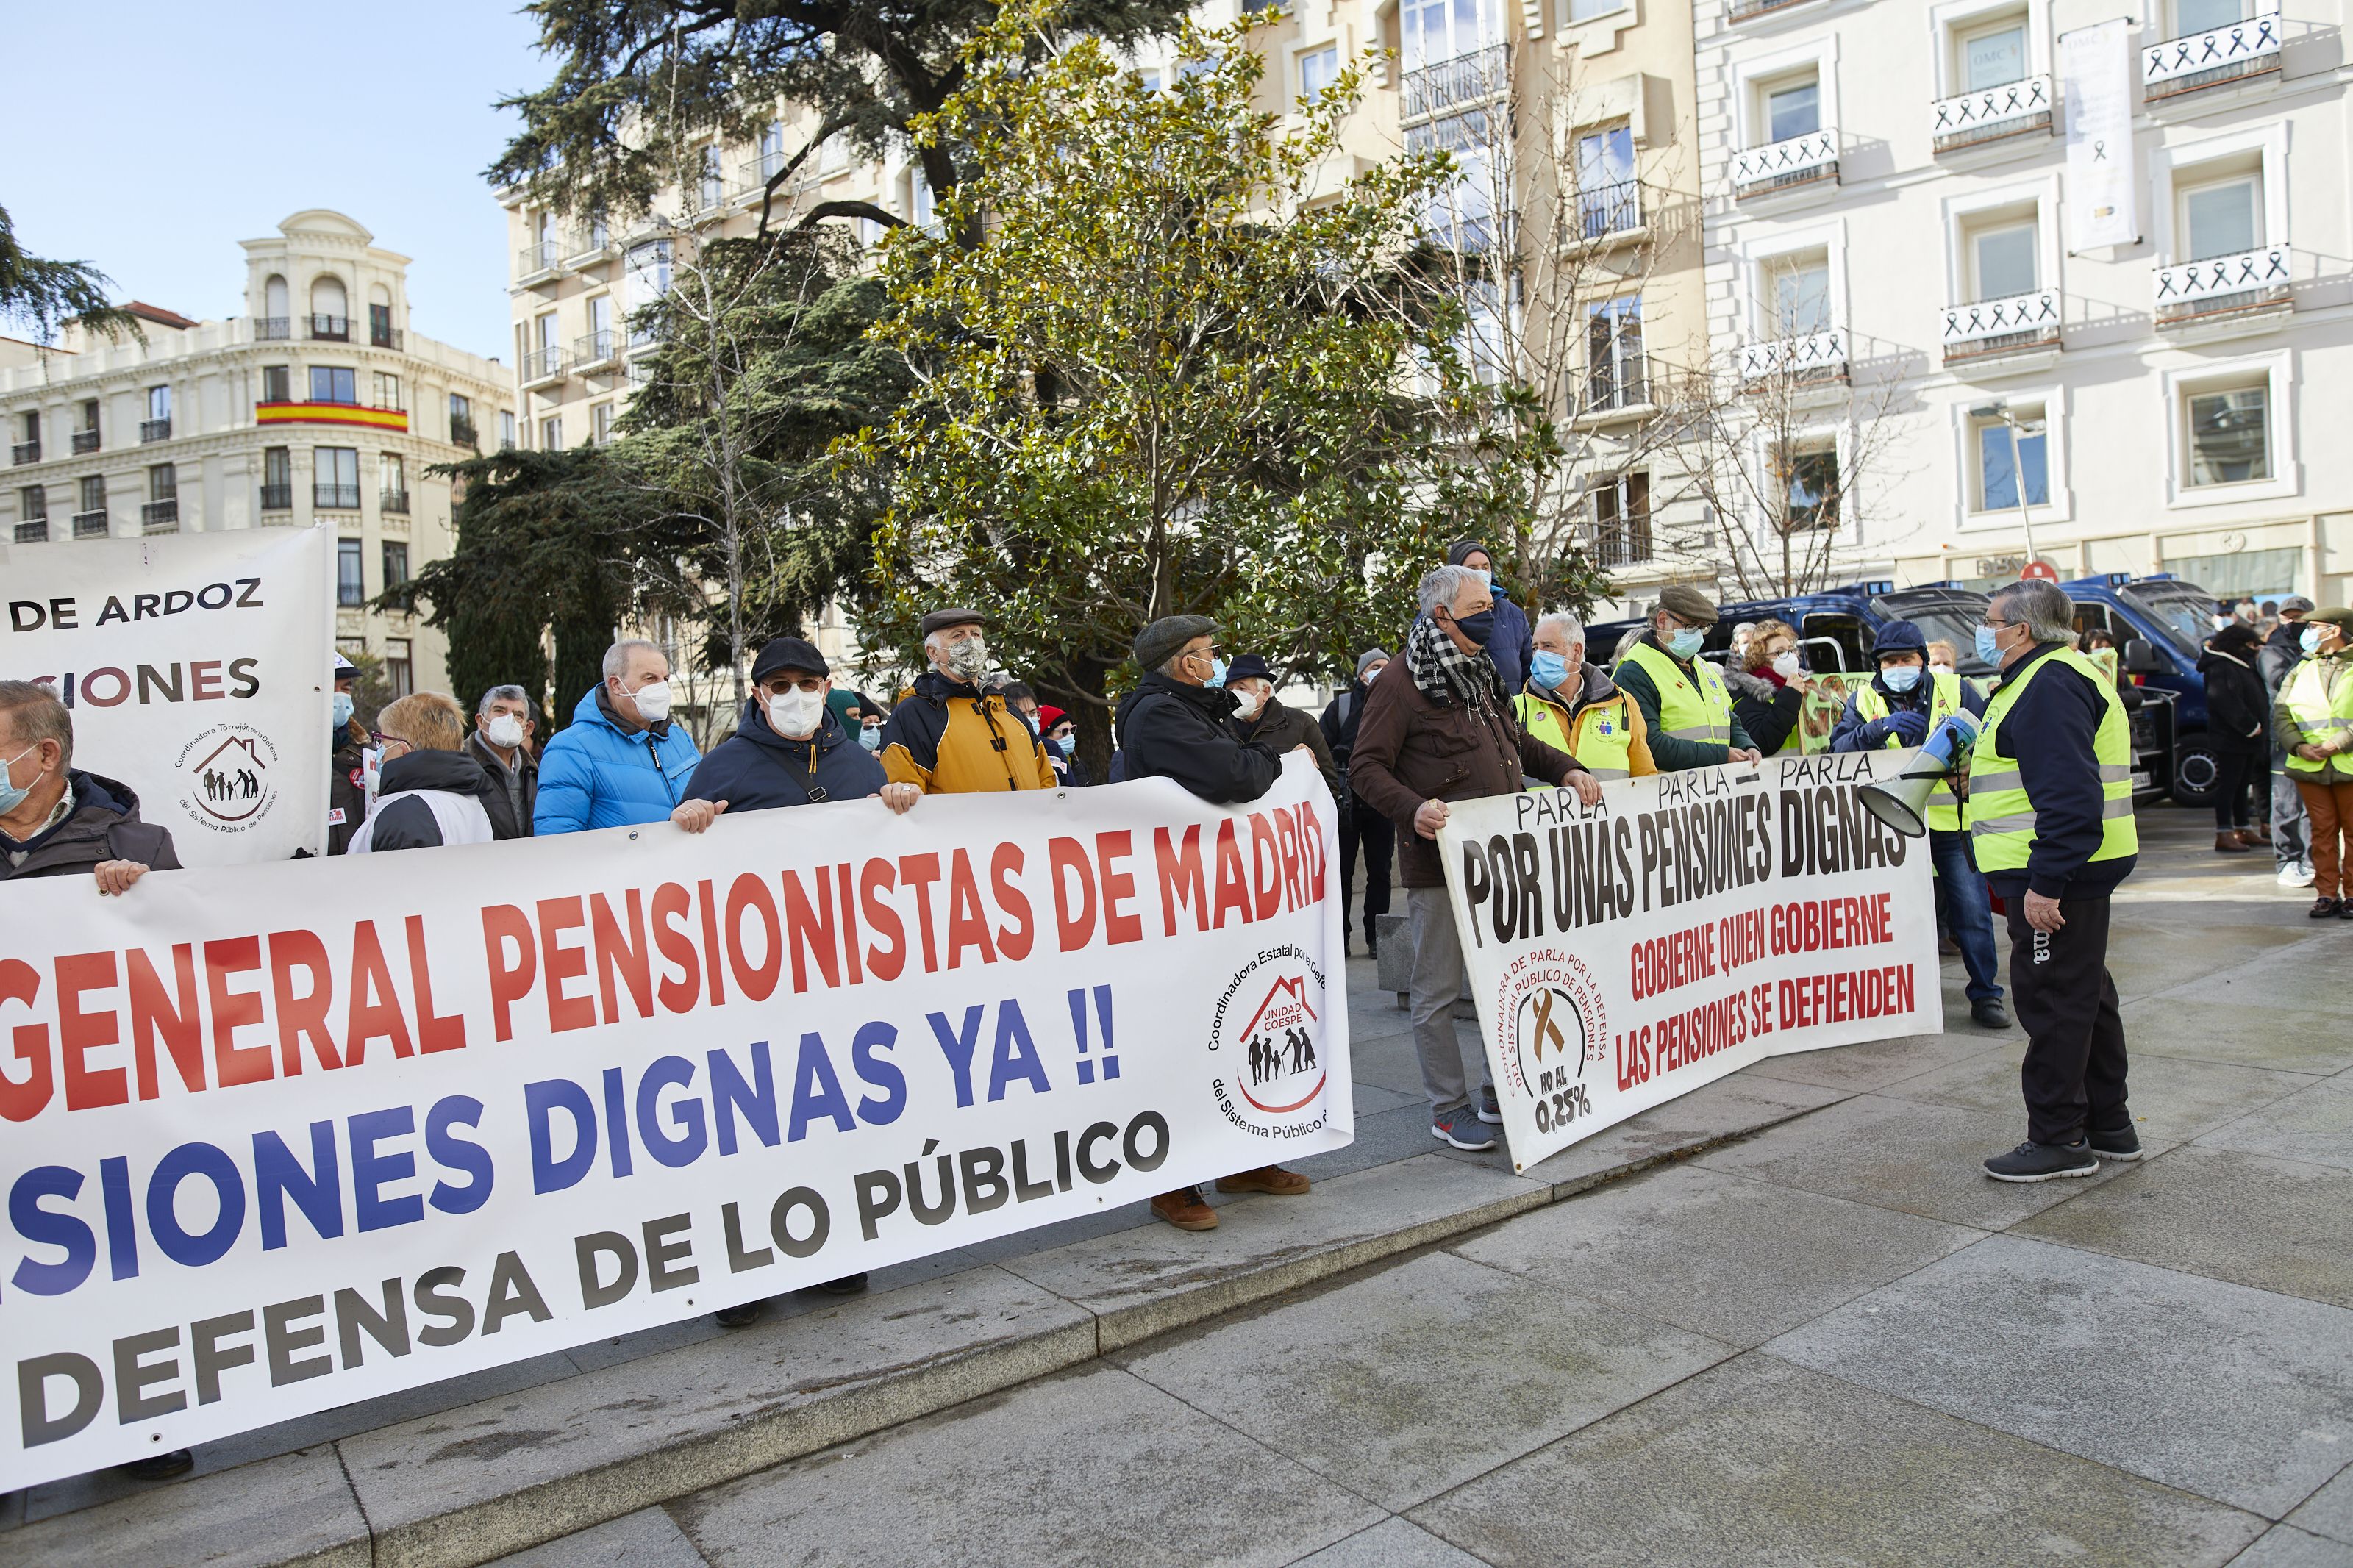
(1897,709)
(2050,817)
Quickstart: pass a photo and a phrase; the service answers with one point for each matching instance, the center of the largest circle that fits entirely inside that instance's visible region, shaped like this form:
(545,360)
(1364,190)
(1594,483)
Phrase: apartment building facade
(317,405)
(2066,275)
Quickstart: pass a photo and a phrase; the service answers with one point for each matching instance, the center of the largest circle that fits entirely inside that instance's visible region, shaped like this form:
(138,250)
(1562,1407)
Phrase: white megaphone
(1902,802)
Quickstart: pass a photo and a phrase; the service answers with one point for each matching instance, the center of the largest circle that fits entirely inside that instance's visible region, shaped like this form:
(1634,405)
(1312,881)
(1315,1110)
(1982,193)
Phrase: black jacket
(1169,729)
(104,825)
(1768,712)
(2280,653)
(755,769)
(1278,729)
(498,801)
(426,800)
(2238,708)
(346,791)
(2049,732)
(1341,716)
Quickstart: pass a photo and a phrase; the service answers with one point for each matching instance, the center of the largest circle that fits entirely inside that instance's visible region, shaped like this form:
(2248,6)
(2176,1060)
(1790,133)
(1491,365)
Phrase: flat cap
(1159,642)
(788,653)
(2297,603)
(941,620)
(1686,603)
(2335,614)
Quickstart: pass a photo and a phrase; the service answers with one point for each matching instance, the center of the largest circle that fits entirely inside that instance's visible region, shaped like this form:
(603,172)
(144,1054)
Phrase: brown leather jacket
(1409,750)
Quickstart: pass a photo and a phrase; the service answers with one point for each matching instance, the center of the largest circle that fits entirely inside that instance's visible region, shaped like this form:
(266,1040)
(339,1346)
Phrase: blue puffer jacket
(595,773)
(1513,646)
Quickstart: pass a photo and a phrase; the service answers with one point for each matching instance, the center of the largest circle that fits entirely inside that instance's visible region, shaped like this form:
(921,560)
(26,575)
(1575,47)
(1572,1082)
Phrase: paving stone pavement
(1780,1321)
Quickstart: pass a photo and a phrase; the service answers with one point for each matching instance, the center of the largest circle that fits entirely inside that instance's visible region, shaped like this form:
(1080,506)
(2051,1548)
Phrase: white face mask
(1940,669)
(1786,666)
(504,730)
(1251,702)
(795,714)
(653,701)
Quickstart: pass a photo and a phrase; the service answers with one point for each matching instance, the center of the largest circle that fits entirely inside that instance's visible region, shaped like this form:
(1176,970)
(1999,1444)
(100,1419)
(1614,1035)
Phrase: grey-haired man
(500,742)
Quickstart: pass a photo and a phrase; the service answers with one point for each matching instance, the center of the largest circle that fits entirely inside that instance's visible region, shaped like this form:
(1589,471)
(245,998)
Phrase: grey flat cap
(2297,604)
(1159,642)
(941,620)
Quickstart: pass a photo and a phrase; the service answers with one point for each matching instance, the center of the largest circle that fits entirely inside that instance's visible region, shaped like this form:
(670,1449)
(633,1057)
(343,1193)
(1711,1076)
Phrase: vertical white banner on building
(2095,75)
(197,667)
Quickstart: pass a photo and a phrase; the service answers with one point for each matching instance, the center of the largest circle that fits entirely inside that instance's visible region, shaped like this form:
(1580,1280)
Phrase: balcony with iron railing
(1790,163)
(24,452)
(91,525)
(278,497)
(753,175)
(271,328)
(2233,52)
(1603,213)
(2242,284)
(537,260)
(1804,356)
(334,498)
(395,502)
(1983,330)
(155,430)
(85,441)
(1466,81)
(1749,10)
(327,328)
(160,516)
(2021,108)
(588,246)
(463,433)
(33,531)
(1622,541)
(543,364)
(596,348)
(384,337)
(1616,390)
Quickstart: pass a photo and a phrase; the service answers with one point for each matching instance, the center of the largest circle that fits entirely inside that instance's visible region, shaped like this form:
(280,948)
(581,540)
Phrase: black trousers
(2074,1076)
(1377,833)
(2236,779)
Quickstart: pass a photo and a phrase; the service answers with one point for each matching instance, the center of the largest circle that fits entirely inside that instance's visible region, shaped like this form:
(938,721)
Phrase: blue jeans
(1969,910)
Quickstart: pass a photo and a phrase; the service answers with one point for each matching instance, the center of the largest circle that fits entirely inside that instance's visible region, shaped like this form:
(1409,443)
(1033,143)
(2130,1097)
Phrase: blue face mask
(1901,677)
(1217,673)
(1684,643)
(343,709)
(1549,668)
(1067,744)
(11,798)
(1989,647)
(2310,639)
(870,739)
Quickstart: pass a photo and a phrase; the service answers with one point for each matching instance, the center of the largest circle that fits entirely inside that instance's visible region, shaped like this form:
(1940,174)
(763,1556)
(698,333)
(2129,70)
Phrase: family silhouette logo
(224,777)
(1268,1035)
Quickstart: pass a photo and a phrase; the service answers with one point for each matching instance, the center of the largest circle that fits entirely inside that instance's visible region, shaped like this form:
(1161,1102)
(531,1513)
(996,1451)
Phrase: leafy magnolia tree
(764,362)
(41,296)
(1160,381)
(638,79)
(549,552)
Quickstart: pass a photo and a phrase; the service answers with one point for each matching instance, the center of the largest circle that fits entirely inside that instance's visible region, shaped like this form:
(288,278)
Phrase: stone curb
(593,1447)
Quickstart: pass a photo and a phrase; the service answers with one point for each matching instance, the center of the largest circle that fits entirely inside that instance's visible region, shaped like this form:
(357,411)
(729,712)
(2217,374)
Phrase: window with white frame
(1621,518)
(1791,106)
(922,206)
(2204,15)
(1813,485)
(1318,69)
(1460,214)
(551,434)
(2000,254)
(2227,433)
(714,183)
(1592,10)
(1436,31)
(388,391)
(1795,296)
(2221,210)
(601,423)
(1615,375)
(1989,51)
(1606,202)
(2008,454)
(392,476)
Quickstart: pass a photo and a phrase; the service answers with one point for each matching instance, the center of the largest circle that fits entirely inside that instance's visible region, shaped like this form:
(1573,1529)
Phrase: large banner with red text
(197,667)
(1690,923)
(286,1136)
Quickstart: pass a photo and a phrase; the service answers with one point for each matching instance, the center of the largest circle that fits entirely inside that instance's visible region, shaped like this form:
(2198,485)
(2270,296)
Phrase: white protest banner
(2097,89)
(291,1135)
(197,668)
(1691,923)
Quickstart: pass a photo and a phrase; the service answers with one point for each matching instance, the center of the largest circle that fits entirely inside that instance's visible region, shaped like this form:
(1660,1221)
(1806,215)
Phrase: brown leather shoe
(1265,1178)
(2255,837)
(2229,843)
(1184,1209)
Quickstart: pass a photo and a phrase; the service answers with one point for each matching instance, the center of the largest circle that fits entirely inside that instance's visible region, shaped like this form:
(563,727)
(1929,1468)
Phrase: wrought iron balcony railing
(330,328)
(2021,108)
(1822,353)
(1466,81)
(278,497)
(395,502)
(85,441)
(462,431)
(1983,328)
(33,531)
(1747,10)
(160,516)
(543,364)
(384,337)
(2242,281)
(1625,542)
(269,329)
(25,452)
(596,348)
(1604,210)
(1616,386)
(1785,164)
(334,498)
(91,525)
(2228,52)
(155,430)
(536,258)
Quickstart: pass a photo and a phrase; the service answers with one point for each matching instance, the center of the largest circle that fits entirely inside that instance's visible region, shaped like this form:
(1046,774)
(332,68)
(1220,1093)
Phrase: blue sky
(151,138)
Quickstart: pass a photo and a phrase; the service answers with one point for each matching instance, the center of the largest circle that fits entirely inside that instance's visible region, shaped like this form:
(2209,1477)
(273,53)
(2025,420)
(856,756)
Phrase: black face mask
(1478,628)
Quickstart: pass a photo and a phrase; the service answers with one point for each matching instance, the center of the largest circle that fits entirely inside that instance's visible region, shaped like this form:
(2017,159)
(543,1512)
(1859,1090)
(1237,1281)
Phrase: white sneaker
(2295,876)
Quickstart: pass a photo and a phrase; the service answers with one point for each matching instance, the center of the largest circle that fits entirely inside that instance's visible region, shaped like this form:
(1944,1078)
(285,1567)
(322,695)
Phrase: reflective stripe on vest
(1696,706)
(2001,815)
(1944,701)
(1604,739)
(2319,717)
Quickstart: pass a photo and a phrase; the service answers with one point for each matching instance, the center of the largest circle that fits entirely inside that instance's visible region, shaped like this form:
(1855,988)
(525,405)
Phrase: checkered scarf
(1445,674)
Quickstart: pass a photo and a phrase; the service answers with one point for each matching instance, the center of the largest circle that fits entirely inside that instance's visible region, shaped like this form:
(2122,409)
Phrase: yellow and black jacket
(953,739)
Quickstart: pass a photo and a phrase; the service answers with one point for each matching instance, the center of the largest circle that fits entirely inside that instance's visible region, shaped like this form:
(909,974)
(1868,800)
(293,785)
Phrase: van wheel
(2195,773)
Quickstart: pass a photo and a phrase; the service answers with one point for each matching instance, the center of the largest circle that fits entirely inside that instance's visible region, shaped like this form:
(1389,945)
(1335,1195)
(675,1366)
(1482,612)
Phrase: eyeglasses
(384,740)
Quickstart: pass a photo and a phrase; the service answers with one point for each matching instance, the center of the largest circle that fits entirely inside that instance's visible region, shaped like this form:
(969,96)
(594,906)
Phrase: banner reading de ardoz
(1690,924)
(286,1136)
(197,668)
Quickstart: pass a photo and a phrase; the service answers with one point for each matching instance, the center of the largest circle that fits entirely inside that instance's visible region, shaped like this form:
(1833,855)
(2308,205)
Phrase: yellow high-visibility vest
(1944,701)
(1697,707)
(2001,814)
(2320,717)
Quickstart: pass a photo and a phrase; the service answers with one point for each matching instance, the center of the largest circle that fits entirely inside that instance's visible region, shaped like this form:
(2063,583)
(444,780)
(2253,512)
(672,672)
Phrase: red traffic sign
(2038,571)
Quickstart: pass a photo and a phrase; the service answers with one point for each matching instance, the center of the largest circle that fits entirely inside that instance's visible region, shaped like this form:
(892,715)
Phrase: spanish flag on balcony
(331,413)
